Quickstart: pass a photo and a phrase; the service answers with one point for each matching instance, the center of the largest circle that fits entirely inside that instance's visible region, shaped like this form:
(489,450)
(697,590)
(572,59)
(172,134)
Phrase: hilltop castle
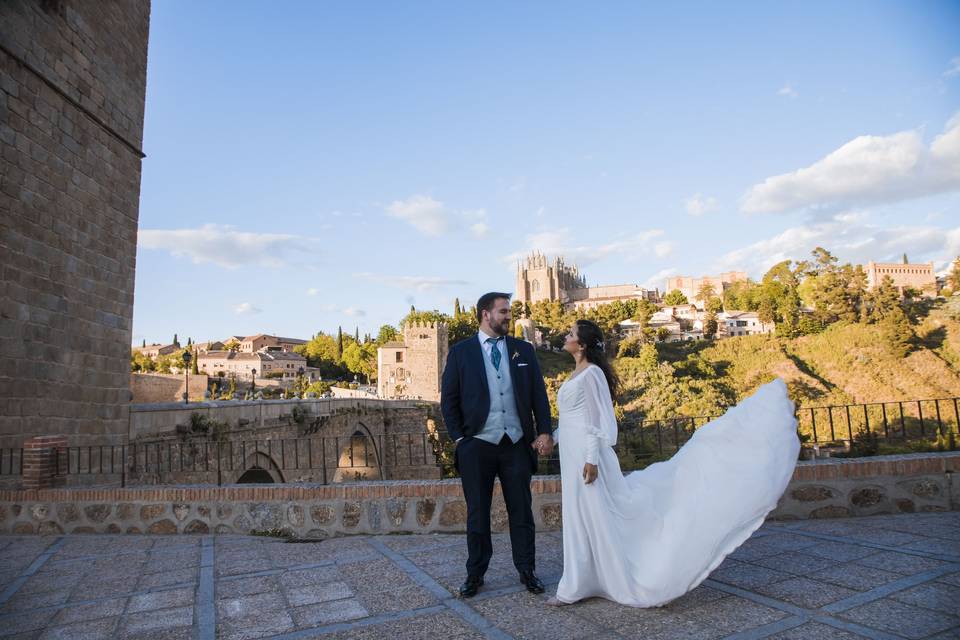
(539,278)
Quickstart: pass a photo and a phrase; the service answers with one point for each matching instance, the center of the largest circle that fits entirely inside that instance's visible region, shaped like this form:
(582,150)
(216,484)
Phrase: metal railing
(900,420)
(326,459)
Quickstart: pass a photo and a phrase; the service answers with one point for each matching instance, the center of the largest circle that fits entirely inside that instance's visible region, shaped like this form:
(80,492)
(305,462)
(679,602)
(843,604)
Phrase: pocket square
(522,364)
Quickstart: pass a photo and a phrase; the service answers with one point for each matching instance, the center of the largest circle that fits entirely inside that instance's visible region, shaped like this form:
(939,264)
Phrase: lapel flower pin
(515,354)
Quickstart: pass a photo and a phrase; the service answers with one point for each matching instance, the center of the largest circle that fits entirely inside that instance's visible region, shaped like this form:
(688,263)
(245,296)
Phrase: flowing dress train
(649,537)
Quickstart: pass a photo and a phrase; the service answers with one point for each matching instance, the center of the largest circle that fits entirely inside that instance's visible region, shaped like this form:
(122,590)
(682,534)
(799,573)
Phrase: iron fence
(326,459)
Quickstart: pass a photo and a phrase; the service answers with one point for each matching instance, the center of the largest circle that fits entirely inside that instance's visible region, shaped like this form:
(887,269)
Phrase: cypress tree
(897,332)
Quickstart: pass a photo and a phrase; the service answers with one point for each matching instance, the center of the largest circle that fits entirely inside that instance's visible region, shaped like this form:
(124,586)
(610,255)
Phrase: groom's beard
(501,329)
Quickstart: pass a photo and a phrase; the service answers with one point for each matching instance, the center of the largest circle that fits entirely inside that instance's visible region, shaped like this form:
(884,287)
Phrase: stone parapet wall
(149,421)
(843,487)
(315,511)
(821,489)
(165,387)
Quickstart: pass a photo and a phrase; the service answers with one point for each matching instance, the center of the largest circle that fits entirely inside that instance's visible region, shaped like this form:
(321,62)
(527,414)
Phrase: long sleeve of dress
(601,424)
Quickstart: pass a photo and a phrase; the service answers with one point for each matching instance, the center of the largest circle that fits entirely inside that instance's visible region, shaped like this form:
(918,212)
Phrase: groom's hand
(543,444)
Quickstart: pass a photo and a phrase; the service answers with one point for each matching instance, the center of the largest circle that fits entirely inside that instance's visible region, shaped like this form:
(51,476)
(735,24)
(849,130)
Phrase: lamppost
(301,387)
(186,373)
(253,379)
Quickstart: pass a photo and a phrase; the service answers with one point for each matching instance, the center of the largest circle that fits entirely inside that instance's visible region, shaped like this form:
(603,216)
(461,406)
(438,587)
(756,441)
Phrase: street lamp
(300,386)
(253,379)
(186,372)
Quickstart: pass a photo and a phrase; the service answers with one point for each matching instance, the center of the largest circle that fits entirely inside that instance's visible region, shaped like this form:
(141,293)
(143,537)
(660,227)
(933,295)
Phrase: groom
(494,404)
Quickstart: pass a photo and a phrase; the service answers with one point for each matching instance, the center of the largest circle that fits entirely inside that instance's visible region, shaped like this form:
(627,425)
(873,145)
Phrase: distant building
(203,347)
(412,368)
(240,364)
(741,323)
(690,287)
(683,311)
(592,297)
(916,276)
(685,322)
(677,331)
(539,278)
(155,350)
(252,344)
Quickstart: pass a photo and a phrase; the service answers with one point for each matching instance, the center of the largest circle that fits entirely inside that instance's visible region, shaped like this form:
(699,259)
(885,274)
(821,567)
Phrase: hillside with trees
(835,342)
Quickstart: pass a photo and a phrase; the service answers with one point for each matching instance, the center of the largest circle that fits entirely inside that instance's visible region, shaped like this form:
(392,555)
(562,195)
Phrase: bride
(648,537)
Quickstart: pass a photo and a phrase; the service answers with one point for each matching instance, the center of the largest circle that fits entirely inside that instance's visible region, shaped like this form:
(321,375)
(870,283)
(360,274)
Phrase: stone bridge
(276,441)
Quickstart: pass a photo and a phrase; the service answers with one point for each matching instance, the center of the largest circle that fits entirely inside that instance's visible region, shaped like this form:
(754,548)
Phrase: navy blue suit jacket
(465,396)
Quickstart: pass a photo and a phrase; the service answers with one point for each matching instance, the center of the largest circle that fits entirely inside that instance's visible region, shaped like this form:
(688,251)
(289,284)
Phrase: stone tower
(425,346)
(539,278)
(72,87)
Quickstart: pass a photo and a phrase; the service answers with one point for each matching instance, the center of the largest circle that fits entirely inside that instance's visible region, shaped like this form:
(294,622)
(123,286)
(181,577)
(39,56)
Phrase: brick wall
(72,86)
(822,489)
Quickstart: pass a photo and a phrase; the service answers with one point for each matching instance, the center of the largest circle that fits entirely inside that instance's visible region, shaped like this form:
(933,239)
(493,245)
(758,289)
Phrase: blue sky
(317,164)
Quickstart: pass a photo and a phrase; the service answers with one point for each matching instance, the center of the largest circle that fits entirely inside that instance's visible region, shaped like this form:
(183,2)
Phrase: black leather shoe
(470,586)
(531,581)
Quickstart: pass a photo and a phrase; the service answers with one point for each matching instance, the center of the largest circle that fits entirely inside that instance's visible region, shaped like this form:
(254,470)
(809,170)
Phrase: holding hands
(543,444)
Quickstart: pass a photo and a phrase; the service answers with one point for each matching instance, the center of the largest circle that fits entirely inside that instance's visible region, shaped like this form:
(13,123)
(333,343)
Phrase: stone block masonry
(825,489)
(72,86)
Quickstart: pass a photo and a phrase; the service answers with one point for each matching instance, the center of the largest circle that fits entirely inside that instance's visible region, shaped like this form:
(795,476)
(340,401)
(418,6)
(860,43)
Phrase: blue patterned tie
(494,352)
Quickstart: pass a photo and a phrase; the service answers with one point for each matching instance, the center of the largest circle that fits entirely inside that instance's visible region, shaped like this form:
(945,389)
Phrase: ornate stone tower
(539,278)
(426,354)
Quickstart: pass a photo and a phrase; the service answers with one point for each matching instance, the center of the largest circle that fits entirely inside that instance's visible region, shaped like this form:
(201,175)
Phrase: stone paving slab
(880,577)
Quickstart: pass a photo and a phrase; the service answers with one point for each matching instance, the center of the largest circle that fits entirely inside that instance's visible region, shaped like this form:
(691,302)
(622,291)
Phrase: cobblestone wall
(72,86)
(892,484)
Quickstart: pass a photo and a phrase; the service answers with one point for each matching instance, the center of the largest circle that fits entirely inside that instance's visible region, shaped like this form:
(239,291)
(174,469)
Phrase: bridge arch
(259,468)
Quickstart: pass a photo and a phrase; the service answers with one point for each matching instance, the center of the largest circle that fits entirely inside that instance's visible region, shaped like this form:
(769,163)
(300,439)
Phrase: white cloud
(428,216)
(662,249)
(417,283)
(659,279)
(480,230)
(225,246)
(353,312)
(954,69)
(787,91)
(312,291)
(852,238)
(560,242)
(866,170)
(245,308)
(697,205)
(432,218)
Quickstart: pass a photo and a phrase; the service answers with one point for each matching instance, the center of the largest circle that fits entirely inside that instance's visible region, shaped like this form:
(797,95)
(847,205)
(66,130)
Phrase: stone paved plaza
(877,577)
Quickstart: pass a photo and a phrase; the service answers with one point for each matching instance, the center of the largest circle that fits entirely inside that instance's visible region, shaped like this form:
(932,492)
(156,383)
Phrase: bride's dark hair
(591,337)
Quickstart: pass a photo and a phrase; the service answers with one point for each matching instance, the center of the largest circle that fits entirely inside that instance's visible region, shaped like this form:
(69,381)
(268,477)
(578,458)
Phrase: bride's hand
(590,473)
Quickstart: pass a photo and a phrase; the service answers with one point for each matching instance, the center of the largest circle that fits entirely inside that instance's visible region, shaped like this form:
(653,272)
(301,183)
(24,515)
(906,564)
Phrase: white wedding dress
(651,536)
